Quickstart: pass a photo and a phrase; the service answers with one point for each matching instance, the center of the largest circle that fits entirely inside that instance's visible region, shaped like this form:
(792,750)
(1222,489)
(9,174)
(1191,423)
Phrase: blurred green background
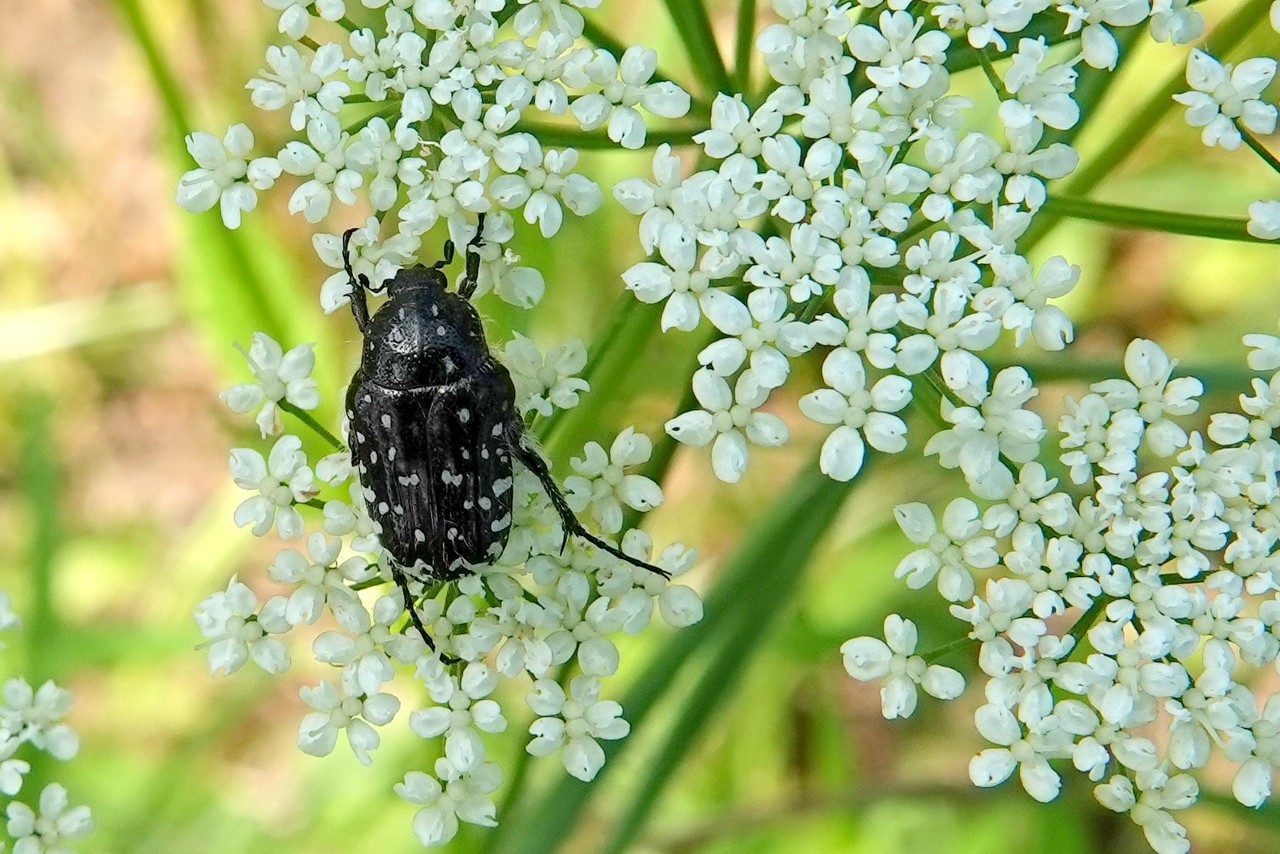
(117,316)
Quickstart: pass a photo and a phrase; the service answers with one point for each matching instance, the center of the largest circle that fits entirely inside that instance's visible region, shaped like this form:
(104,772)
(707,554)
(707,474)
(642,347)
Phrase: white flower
(895,661)
(761,330)
(464,709)
(280,376)
(684,280)
(235,630)
(56,824)
(291,82)
(949,554)
(282,480)
(858,412)
(225,174)
(602,484)
(1264,219)
(573,722)
(1225,94)
(322,582)
(727,422)
(463,797)
(625,85)
(34,716)
(545,382)
(345,711)
(540,189)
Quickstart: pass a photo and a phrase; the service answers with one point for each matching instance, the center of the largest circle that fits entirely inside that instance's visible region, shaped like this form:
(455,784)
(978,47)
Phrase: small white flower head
(449,797)
(625,85)
(729,419)
(224,175)
(858,412)
(894,661)
(545,382)
(35,716)
(572,722)
(347,710)
(279,376)
(235,630)
(56,824)
(291,82)
(282,480)
(1222,95)
(321,582)
(602,485)
(1264,219)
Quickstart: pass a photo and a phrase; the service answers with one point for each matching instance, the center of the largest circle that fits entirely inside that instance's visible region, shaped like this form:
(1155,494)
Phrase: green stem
(1196,225)
(694,28)
(305,417)
(947,648)
(992,77)
(745,41)
(566,136)
(1258,148)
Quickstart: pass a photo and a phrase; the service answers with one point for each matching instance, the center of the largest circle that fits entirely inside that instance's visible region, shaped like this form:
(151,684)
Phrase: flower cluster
(454,89)
(33,716)
(536,609)
(854,211)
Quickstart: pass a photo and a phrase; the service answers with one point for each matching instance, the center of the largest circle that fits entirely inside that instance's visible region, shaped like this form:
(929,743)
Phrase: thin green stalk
(1258,148)
(744,45)
(992,77)
(1196,225)
(566,136)
(306,418)
(694,29)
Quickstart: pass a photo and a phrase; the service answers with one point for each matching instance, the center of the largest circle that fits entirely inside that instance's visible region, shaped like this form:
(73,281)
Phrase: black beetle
(433,428)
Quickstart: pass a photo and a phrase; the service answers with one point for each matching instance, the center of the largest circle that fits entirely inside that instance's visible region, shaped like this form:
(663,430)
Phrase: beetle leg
(469,281)
(359,305)
(533,462)
(403,581)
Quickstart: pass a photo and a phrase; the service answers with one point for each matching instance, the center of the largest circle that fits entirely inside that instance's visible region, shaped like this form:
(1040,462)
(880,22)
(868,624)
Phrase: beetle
(433,428)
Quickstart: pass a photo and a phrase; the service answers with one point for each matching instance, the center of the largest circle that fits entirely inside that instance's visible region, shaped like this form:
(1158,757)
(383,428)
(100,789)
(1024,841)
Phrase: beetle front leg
(472,276)
(568,519)
(359,284)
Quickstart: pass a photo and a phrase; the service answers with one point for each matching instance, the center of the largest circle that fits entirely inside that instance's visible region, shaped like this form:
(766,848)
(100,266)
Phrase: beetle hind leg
(568,519)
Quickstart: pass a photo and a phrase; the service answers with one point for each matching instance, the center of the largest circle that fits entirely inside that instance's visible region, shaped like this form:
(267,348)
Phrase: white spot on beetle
(501,524)
(453,533)
(501,485)
(451,479)
(359,436)
(398,510)
(373,457)
(383,507)
(485,503)
(391,453)
(466,455)
(440,331)
(368,398)
(414,480)
(468,504)
(464,415)
(418,536)
(403,481)
(386,420)
(497,430)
